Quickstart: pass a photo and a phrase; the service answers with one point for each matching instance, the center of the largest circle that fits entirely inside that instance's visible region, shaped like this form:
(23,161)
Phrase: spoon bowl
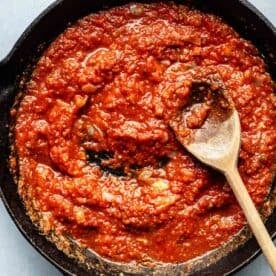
(217,145)
(214,138)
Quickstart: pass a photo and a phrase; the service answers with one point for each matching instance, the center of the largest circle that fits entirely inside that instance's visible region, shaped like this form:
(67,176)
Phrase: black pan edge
(7,62)
(27,237)
(257,12)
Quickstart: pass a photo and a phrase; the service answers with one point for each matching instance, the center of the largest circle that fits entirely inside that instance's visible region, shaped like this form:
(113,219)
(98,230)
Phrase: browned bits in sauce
(97,157)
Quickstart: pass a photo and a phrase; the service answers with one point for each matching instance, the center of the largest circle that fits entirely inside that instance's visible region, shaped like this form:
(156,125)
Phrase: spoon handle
(252,216)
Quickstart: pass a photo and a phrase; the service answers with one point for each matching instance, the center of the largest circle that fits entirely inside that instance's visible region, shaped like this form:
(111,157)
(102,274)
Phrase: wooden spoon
(214,138)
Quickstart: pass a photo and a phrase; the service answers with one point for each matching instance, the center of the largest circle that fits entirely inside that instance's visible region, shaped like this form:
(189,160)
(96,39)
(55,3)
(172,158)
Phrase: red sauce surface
(97,157)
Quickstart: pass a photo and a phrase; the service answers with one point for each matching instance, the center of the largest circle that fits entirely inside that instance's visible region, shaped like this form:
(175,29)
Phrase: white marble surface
(17,257)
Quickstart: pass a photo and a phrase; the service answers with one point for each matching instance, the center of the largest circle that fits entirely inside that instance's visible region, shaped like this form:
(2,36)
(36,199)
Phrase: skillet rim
(5,62)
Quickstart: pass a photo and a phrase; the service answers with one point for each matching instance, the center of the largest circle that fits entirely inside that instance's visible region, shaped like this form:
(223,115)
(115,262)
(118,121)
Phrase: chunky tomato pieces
(97,158)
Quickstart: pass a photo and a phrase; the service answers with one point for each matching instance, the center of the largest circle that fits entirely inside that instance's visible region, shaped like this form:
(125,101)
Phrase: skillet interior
(46,28)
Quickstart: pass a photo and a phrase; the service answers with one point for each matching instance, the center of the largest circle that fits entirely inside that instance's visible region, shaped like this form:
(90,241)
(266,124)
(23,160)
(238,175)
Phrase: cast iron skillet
(249,22)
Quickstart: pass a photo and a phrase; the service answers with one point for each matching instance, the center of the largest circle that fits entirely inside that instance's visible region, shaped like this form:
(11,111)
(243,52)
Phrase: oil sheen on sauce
(97,157)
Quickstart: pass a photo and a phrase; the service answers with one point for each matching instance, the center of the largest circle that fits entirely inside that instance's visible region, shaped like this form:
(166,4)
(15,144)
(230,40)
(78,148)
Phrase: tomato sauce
(97,158)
